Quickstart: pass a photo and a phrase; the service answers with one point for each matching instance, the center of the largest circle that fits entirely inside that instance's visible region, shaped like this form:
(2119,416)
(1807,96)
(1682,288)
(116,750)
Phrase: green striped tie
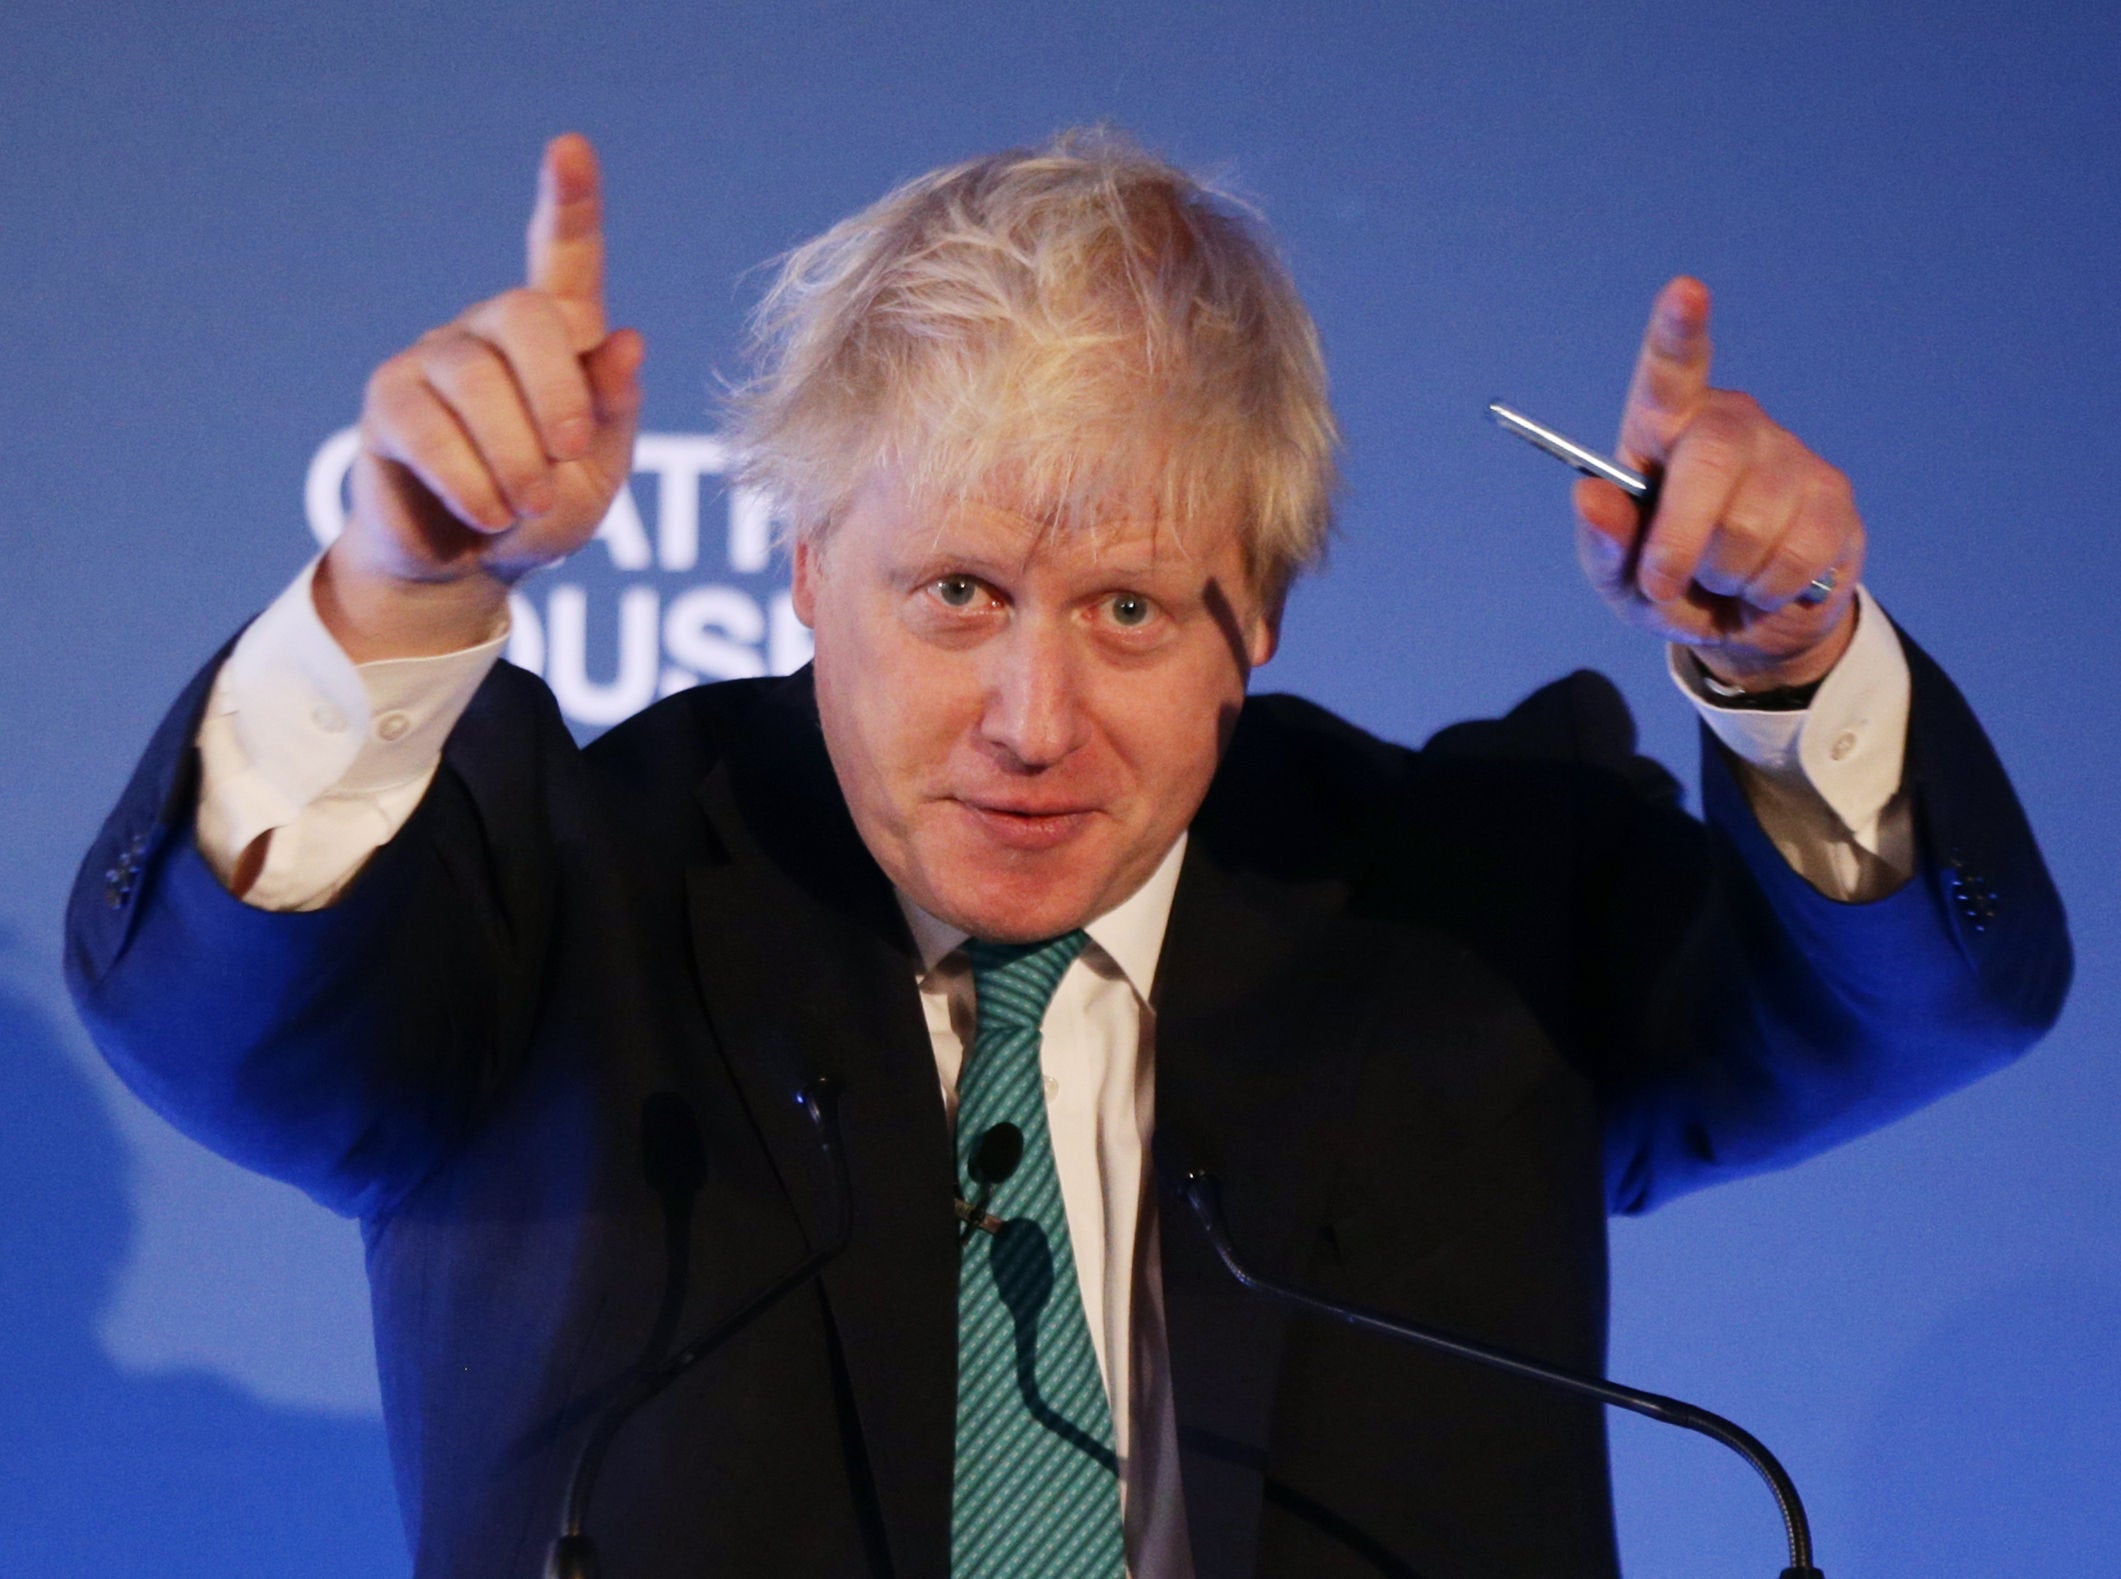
(1037,1484)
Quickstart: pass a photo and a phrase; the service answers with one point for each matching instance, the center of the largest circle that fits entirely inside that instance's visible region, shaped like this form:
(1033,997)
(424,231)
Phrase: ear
(803,594)
(1263,637)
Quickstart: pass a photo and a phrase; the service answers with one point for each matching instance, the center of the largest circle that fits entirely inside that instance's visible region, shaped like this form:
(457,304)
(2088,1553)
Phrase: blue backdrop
(217,217)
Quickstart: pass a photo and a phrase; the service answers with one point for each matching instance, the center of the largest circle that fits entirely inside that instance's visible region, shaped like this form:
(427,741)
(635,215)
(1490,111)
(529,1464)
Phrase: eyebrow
(968,542)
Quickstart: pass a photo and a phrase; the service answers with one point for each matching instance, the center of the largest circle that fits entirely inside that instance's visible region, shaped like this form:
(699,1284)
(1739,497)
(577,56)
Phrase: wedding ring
(1819,589)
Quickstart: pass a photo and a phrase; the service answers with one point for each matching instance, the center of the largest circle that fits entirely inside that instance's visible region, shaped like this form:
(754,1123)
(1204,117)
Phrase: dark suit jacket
(1432,1014)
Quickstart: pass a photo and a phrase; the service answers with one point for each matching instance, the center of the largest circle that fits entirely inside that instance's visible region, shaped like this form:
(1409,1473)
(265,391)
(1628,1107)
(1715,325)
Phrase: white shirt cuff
(328,756)
(1825,781)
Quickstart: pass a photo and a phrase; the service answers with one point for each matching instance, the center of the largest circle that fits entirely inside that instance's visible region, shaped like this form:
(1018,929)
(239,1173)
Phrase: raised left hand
(1746,518)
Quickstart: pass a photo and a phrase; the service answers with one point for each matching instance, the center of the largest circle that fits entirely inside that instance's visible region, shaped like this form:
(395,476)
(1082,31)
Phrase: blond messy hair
(1062,326)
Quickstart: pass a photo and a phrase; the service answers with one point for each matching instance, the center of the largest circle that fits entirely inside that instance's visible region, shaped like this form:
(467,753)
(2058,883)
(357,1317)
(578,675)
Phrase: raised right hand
(1747,516)
(491,445)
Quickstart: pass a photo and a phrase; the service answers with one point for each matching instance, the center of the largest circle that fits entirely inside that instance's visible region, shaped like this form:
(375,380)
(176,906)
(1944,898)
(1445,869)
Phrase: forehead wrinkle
(1121,544)
(1107,532)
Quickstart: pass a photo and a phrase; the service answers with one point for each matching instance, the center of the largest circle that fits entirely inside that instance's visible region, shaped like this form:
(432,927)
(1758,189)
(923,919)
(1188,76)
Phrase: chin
(1013,909)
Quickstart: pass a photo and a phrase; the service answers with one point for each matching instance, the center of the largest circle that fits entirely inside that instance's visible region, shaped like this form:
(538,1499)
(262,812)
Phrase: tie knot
(1015,981)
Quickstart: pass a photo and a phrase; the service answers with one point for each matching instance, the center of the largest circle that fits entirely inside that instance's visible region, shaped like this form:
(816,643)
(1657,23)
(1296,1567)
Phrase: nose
(1034,711)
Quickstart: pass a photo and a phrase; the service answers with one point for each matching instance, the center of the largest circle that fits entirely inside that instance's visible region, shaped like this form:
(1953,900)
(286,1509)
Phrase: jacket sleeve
(344,1050)
(1771,1022)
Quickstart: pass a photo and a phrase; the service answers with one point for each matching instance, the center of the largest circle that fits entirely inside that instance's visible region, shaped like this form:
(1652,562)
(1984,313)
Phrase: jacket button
(124,872)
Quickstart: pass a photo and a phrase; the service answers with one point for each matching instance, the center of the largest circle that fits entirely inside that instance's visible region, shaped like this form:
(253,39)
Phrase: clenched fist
(491,445)
(1746,518)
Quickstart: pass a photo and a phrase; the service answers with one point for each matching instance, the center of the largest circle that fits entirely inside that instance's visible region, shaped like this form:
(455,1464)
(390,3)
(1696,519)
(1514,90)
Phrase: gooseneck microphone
(675,1161)
(1203,1194)
(573,1554)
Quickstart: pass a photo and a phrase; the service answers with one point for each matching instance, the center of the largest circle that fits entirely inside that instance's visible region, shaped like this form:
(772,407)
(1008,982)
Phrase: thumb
(1609,526)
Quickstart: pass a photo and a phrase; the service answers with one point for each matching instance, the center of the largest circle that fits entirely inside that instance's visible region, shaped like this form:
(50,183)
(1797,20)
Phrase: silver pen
(1592,464)
(1568,451)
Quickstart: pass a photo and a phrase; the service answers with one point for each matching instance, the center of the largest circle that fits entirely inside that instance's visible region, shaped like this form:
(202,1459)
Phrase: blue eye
(957,592)
(1130,609)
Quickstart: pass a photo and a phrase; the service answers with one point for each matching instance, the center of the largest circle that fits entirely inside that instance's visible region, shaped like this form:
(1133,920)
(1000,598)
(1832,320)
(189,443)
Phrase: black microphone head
(820,1098)
(997,1155)
(672,1153)
(1173,1157)
(1182,1171)
(571,1557)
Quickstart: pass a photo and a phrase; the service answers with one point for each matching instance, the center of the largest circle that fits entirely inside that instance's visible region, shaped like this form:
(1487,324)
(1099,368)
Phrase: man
(1017,860)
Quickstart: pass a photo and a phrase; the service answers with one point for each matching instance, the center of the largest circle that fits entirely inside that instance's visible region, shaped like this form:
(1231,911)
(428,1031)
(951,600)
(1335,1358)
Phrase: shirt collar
(1130,934)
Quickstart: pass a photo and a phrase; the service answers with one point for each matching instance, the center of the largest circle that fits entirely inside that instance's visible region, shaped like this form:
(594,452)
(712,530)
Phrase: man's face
(1024,720)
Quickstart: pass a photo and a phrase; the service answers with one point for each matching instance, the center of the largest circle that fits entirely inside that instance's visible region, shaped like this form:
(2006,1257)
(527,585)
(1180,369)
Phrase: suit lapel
(806,970)
(1260,1022)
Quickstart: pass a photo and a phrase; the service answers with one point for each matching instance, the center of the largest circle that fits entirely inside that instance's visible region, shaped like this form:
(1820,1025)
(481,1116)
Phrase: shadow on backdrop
(106,1473)
(1992,1449)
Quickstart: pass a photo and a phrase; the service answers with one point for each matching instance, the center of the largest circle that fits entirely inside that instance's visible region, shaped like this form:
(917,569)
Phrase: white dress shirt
(1097,1053)
(327,760)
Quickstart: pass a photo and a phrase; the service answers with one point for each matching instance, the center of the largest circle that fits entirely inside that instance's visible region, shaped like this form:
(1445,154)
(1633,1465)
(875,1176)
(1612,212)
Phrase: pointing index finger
(1671,374)
(565,243)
